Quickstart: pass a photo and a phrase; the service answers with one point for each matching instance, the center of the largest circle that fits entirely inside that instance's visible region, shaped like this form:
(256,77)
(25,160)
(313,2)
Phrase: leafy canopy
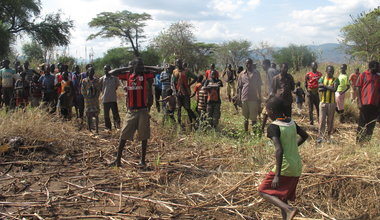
(23,16)
(125,25)
(296,56)
(362,36)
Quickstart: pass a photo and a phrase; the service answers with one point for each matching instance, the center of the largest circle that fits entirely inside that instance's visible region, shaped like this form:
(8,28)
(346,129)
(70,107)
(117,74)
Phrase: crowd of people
(54,87)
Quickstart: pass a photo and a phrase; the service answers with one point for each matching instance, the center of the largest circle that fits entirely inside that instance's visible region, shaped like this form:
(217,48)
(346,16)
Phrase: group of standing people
(171,89)
(55,87)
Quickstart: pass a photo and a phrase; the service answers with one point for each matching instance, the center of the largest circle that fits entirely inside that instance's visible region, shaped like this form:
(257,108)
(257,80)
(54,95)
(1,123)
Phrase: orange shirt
(353,78)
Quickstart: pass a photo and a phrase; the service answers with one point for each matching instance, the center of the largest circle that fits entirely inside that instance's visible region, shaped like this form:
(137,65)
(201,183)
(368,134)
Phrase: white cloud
(258,29)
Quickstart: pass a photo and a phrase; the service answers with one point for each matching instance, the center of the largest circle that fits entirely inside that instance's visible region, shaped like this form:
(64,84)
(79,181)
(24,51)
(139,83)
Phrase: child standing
(65,102)
(212,87)
(91,91)
(300,97)
(197,89)
(341,91)
(327,86)
(280,184)
(170,103)
(22,91)
(35,91)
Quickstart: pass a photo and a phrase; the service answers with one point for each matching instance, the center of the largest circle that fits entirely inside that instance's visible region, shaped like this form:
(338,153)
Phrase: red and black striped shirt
(369,85)
(136,89)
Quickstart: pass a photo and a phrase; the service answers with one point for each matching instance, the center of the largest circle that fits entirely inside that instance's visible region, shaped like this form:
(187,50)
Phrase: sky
(279,22)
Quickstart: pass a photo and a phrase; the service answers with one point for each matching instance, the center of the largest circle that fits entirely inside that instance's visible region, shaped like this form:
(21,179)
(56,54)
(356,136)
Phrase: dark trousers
(313,101)
(213,111)
(157,96)
(7,96)
(115,113)
(184,101)
(79,105)
(49,100)
(367,121)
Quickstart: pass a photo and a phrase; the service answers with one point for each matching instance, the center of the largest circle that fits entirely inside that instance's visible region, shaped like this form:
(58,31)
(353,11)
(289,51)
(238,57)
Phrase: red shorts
(286,190)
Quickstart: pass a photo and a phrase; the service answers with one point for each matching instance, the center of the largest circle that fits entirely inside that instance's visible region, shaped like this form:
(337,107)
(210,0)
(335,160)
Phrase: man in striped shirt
(327,87)
(137,118)
(368,85)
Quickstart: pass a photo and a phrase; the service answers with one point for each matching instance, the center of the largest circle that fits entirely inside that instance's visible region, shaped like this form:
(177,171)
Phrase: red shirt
(369,85)
(312,79)
(208,74)
(136,89)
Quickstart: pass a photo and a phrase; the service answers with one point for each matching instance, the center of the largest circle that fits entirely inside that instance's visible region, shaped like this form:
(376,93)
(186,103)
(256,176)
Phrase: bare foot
(291,213)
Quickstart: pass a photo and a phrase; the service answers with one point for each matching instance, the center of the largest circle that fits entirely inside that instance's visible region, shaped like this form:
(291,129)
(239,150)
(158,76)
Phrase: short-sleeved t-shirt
(249,84)
(369,85)
(8,77)
(286,131)
(109,86)
(328,96)
(208,74)
(47,82)
(343,82)
(165,79)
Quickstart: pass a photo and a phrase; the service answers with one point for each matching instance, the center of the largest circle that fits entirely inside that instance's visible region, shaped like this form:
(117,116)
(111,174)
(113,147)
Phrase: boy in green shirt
(340,93)
(280,184)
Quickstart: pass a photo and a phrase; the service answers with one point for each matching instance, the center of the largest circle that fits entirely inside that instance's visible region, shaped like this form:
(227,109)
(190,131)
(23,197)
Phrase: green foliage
(33,51)
(5,40)
(233,52)
(362,36)
(69,60)
(52,31)
(125,25)
(176,42)
(150,56)
(296,56)
(22,16)
(116,57)
(203,55)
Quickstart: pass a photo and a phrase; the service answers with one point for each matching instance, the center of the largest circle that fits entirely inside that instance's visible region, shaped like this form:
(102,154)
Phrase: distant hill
(330,52)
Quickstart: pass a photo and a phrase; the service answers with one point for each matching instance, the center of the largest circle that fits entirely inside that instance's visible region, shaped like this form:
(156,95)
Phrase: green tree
(5,41)
(23,16)
(125,25)
(362,37)
(150,56)
(33,51)
(202,55)
(176,42)
(65,59)
(233,52)
(296,56)
(116,57)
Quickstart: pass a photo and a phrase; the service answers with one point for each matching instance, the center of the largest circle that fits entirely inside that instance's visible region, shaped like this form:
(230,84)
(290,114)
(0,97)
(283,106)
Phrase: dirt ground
(45,180)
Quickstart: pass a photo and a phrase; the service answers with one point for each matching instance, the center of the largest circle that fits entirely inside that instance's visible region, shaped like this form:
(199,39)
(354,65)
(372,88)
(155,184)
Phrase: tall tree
(176,42)
(33,51)
(23,16)
(125,25)
(362,36)
(263,49)
(296,56)
(233,52)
